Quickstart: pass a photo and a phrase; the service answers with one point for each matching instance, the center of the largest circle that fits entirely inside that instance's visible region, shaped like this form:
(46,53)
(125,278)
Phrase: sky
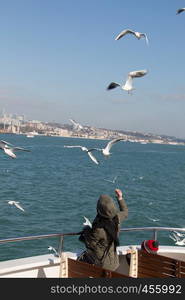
(58,57)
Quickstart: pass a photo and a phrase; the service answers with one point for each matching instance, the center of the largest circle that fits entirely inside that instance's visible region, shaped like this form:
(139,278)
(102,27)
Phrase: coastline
(159,142)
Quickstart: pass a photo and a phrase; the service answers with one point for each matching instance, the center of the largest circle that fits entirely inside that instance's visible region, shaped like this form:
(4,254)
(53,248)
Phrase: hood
(106,207)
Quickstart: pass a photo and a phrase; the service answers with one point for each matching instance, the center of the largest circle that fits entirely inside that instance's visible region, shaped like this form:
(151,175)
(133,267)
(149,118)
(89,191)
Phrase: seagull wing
(76,125)
(11,202)
(124,32)
(73,122)
(139,73)
(76,146)
(112,85)
(180,10)
(9,151)
(21,149)
(172,238)
(66,146)
(18,206)
(147,41)
(179,234)
(176,236)
(87,222)
(108,180)
(92,157)
(145,36)
(111,143)
(3,144)
(128,84)
(114,180)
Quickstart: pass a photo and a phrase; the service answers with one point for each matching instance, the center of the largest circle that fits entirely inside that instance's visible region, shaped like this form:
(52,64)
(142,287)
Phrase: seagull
(180,10)
(127,86)
(9,148)
(181,243)
(112,181)
(138,35)
(154,220)
(87,222)
(76,125)
(177,239)
(53,249)
(106,150)
(88,151)
(178,233)
(16,203)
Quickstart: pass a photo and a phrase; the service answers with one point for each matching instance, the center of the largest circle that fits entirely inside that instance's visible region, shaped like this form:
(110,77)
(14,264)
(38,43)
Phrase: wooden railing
(78,269)
(149,266)
(158,266)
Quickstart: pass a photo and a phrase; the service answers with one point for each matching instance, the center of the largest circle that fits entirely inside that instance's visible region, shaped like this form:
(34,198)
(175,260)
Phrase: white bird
(112,181)
(154,220)
(173,238)
(178,233)
(138,35)
(53,249)
(181,243)
(76,125)
(16,203)
(106,150)
(180,10)
(177,239)
(87,222)
(88,151)
(9,148)
(128,85)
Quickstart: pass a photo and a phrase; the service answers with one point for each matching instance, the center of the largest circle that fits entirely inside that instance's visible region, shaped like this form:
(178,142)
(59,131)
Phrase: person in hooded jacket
(102,239)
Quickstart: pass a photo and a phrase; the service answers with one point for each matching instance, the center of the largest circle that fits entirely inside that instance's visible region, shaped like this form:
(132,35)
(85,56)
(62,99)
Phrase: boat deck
(48,265)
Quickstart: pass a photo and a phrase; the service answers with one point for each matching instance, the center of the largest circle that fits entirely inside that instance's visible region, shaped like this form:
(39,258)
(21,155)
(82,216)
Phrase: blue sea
(58,186)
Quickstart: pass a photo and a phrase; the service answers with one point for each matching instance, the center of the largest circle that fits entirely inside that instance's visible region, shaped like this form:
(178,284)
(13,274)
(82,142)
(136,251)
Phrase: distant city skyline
(9,118)
(57,58)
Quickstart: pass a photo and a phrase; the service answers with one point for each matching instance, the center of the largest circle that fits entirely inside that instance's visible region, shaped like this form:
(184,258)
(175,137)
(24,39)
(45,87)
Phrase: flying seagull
(88,151)
(16,203)
(178,233)
(87,222)
(112,181)
(154,220)
(127,86)
(177,239)
(9,148)
(138,35)
(50,248)
(76,125)
(180,10)
(106,150)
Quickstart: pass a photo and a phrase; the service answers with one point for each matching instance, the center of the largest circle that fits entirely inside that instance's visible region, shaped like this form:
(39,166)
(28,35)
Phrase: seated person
(150,246)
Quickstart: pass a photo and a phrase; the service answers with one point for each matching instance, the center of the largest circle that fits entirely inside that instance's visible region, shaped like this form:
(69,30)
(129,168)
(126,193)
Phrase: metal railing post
(61,245)
(155,234)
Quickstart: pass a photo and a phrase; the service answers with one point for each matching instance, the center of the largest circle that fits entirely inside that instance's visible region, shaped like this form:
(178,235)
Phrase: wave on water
(59,186)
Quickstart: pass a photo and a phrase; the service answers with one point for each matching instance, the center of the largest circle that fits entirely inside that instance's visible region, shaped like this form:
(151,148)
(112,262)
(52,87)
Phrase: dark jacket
(102,239)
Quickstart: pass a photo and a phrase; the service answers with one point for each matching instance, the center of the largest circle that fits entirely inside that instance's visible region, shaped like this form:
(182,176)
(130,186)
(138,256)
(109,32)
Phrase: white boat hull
(49,266)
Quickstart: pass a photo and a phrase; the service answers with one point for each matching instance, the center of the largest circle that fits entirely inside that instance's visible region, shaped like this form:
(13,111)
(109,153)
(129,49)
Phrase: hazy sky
(57,58)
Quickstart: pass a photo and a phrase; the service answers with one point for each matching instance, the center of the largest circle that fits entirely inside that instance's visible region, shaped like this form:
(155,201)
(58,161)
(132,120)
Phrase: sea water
(58,186)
